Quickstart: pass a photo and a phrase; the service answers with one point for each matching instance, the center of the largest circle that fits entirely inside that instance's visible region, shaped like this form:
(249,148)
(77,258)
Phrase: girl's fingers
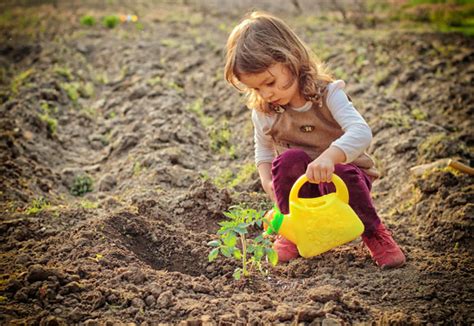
(328,176)
(317,176)
(322,175)
(309,175)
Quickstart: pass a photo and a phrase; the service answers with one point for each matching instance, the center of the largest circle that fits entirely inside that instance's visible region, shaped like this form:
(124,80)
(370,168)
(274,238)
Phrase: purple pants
(289,166)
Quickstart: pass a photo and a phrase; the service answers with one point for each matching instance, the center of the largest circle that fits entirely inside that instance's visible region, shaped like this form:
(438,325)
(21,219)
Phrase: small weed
(251,252)
(82,184)
(88,20)
(197,108)
(340,73)
(397,120)
(175,86)
(223,27)
(392,88)
(87,204)
(224,178)
(244,175)
(102,78)
(361,59)
(51,122)
(382,58)
(227,179)
(220,140)
(86,90)
(418,114)
(111,21)
(170,43)
(441,145)
(72,90)
(139,27)
(38,205)
(90,112)
(63,72)
(154,81)
(137,168)
(19,80)
(382,77)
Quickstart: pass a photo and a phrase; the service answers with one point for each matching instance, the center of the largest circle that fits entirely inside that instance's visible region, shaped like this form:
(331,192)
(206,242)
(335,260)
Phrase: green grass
(445,16)
(88,20)
(72,91)
(82,184)
(19,80)
(111,21)
(37,205)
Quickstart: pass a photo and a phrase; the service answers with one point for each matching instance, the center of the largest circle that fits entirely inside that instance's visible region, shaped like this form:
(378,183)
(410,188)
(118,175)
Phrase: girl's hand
(270,191)
(320,170)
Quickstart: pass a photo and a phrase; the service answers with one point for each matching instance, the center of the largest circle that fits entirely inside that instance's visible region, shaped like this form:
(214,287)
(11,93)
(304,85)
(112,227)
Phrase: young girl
(304,123)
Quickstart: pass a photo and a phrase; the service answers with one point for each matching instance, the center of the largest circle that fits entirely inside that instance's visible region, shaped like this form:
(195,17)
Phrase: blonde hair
(261,40)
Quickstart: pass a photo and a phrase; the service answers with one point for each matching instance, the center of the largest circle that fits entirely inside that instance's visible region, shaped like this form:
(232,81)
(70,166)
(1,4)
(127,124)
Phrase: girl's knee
(351,174)
(292,156)
(292,162)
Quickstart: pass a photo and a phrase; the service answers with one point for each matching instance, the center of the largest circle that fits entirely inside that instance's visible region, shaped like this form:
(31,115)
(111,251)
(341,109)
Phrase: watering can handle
(341,189)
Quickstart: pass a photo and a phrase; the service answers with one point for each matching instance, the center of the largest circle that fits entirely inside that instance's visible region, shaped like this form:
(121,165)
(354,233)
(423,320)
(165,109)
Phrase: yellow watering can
(317,225)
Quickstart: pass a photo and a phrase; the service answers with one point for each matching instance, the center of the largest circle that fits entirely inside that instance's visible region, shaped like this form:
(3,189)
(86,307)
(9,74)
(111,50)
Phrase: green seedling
(87,204)
(38,205)
(111,21)
(20,79)
(250,251)
(82,185)
(72,90)
(87,20)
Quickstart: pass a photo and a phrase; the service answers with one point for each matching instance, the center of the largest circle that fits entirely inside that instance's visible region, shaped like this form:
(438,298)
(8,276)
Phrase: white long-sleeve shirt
(355,140)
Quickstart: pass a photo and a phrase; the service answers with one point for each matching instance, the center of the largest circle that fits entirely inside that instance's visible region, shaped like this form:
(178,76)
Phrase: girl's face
(275,85)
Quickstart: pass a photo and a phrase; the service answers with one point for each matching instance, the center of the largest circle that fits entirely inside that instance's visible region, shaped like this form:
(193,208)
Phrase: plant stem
(244,254)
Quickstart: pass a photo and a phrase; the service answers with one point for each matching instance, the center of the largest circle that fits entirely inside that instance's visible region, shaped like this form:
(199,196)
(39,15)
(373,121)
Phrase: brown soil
(135,248)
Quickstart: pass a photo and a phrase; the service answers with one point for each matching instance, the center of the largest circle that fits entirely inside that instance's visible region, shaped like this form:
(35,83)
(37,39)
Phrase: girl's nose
(267,95)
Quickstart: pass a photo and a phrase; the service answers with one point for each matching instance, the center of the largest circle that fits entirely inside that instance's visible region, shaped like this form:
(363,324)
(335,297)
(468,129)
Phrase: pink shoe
(383,249)
(285,249)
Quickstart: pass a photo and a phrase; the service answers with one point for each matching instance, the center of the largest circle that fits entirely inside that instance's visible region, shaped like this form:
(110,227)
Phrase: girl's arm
(263,151)
(356,138)
(265,172)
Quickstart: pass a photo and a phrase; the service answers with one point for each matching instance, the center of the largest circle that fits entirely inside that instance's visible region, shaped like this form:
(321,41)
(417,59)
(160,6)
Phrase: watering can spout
(281,224)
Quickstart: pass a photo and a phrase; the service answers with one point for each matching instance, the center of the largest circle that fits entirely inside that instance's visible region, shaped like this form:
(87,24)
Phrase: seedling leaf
(213,254)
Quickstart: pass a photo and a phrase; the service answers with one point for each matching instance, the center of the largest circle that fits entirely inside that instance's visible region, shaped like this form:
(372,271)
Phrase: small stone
(107,182)
(38,273)
(75,315)
(72,287)
(91,322)
(201,288)
(165,299)
(325,293)
(227,317)
(22,259)
(21,295)
(309,313)
(138,303)
(331,322)
(329,307)
(139,92)
(150,300)
(242,311)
